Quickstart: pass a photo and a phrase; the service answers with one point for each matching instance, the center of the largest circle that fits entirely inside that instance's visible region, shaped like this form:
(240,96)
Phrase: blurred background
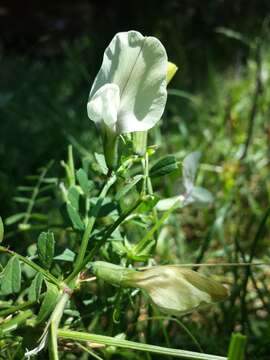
(50,52)
(218,103)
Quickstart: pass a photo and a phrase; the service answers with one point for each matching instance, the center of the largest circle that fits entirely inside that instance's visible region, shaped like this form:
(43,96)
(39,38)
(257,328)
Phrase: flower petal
(176,290)
(104,105)
(138,65)
(190,166)
(201,195)
(166,204)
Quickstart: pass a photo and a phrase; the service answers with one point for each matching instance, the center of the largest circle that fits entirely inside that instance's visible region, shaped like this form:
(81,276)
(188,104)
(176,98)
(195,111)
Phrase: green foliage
(35,287)
(48,303)
(45,248)
(164,166)
(85,184)
(75,218)
(11,277)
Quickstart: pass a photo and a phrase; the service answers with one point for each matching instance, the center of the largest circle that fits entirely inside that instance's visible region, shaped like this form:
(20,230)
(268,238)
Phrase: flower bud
(111,273)
(171,70)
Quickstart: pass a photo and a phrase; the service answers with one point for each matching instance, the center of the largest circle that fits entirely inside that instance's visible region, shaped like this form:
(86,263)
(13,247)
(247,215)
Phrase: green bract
(129,93)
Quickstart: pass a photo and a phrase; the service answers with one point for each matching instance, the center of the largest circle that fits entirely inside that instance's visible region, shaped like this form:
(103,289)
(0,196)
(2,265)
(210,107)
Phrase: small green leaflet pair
(11,275)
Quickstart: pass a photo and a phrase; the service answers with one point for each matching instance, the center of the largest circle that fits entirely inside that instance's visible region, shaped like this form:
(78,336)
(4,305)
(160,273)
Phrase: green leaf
(67,255)
(128,187)
(14,218)
(1,230)
(48,303)
(85,184)
(45,248)
(194,100)
(38,216)
(102,163)
(108,207)
(119,247)
(233,35)
(50,181)
(35,287)
(11,277)
(26,188)
(75,218)
(21,199)
(164,166)
(73,197)
(42,200)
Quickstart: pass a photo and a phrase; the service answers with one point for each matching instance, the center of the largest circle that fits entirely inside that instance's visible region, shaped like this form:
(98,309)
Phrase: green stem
(90,352)
(33,265)
(35,193)
(86,236)
(54,324)
(143,243)
(145,164)
(15,322)
(154,210)
(111,229)
(237,347)
(111,341)
(180,324)
(71,166)
(15,308)
(84,244)
(110,148)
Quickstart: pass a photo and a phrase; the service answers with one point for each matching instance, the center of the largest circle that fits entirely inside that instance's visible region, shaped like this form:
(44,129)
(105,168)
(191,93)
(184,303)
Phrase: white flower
(176,290)
(172,288)
(129,92)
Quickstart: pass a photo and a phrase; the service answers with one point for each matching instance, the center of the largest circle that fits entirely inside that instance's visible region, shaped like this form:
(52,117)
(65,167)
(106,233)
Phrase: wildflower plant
(105,222)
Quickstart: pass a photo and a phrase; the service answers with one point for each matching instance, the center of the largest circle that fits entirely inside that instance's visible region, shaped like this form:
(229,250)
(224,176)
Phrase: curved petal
(171,291)
(176,290)
(166,204)
(138,65)
(104,105)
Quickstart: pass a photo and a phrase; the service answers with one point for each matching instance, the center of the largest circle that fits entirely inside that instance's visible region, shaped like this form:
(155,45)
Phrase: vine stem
(33,265)
(142,244)
(112,341)
(111,229)
(54,323)
(79,264)
(36,192)
(90,224)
